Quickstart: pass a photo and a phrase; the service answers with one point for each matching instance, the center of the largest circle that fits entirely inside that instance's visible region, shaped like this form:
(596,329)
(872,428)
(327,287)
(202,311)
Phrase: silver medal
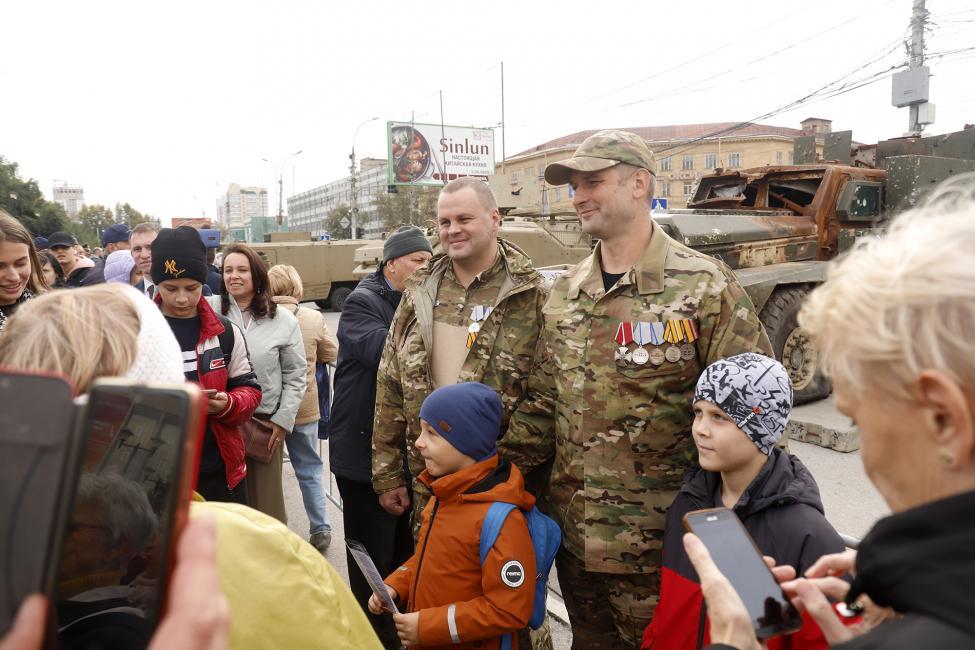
(641,356)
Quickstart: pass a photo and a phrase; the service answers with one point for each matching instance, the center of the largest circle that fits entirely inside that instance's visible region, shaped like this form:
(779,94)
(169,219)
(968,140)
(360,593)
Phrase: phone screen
(37,445)
(736,556)
(113,564)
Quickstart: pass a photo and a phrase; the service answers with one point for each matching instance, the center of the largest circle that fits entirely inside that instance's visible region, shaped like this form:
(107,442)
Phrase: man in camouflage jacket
(626,334)
(432,340)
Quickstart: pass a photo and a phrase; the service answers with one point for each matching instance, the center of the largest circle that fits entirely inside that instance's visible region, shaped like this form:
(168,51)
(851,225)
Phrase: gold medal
(672,354)
(641,356)
(657,356)
(687,352)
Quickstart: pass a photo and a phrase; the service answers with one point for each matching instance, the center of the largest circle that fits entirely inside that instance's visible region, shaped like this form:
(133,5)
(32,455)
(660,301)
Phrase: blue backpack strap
(506,641)
(493,522)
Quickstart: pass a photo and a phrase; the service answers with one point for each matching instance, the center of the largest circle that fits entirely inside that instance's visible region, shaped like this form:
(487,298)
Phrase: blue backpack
(546,538)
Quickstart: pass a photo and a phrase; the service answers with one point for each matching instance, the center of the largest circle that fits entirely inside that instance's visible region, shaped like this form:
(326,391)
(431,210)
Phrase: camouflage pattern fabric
(608,611)
(501,357)
(601,151)
(619,430)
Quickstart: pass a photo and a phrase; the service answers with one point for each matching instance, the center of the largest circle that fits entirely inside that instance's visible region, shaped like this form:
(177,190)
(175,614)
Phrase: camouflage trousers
(606,610)
(528,639)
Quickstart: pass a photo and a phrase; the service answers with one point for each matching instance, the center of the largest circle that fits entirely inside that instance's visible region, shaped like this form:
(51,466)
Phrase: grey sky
(163,107)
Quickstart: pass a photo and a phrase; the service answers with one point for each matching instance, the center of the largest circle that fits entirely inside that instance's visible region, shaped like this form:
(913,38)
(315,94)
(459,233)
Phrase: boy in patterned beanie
(741,408)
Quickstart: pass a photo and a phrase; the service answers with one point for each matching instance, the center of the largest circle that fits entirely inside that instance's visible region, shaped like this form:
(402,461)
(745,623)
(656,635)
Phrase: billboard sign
(432,154)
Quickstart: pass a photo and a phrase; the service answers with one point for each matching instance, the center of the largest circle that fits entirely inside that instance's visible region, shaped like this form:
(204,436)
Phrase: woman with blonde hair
(66,332)
(320,347)
(895,324)
(278,355)
(20,268)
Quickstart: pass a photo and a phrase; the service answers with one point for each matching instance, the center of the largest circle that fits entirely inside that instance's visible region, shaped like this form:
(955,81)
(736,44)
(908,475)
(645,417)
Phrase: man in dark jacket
(362,330)
(78,271)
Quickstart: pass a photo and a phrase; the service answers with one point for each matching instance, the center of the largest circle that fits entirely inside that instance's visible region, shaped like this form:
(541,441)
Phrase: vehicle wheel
(338,296)
(321,304)
(793,347)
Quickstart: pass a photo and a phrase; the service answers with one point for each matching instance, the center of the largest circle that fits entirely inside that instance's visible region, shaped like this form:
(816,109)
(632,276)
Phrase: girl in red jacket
(450,598)
(214,356)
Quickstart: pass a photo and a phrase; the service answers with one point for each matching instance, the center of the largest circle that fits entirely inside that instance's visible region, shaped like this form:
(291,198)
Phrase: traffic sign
(658,204)
(345,222)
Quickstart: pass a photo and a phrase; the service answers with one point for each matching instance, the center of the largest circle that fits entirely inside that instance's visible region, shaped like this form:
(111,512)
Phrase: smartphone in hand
(128,504)
(39,450)
(735,554)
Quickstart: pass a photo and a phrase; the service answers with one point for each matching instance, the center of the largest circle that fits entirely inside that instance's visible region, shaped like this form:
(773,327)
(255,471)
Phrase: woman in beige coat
(320,347)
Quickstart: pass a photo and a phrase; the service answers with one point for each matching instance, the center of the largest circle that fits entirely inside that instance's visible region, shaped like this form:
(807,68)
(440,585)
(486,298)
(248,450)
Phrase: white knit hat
(159,358)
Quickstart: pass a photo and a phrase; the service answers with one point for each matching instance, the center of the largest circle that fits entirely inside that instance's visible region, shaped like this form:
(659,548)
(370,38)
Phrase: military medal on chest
(478,314)
(624,336)
(689,328)
(681,334)
(656,338)
(641,336)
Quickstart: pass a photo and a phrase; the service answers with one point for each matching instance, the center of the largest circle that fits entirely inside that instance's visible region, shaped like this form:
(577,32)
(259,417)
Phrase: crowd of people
(635,388)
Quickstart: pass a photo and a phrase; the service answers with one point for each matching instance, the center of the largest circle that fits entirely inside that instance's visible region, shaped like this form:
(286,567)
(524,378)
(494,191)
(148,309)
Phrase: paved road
(852,503)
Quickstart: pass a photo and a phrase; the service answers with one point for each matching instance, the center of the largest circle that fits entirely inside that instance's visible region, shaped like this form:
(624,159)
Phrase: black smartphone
(735,554)
(128,504)
(39,446)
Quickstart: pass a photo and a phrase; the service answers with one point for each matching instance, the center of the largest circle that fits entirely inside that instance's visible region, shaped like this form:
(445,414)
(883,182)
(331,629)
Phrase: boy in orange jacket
(450,598)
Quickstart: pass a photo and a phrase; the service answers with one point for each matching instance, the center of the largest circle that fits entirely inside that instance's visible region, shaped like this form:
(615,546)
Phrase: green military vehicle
(325,267)
(553,241)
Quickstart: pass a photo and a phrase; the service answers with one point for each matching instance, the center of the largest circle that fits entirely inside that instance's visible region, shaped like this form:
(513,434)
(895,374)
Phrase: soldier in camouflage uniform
(474,314)
(627,332)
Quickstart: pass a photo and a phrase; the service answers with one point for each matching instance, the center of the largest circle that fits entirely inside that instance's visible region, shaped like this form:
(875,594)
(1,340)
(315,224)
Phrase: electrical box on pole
(911,86)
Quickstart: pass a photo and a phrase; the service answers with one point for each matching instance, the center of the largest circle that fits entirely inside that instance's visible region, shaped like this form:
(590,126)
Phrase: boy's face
(721,445)
(180,297)
(440,456)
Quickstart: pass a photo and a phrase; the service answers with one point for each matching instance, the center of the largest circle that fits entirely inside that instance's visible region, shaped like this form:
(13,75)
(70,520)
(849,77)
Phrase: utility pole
(280,200)
(352,182)
(280,218)
(910,87)
(918,18)
(504,132)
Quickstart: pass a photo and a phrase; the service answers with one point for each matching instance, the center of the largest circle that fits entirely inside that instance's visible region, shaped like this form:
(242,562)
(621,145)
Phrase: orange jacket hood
(486,481)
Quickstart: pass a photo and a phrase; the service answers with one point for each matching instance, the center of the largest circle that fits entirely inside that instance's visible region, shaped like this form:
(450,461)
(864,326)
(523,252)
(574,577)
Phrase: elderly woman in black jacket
(362,330)
(895,323)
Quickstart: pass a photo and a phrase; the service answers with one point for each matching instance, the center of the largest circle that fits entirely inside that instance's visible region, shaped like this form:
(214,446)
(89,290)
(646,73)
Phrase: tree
(333,222)
(125,213)
(415,206)
(90,222)
(25,202)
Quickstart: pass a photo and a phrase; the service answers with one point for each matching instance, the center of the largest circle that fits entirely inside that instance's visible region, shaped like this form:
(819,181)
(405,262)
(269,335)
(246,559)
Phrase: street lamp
(352,181)
(281,184)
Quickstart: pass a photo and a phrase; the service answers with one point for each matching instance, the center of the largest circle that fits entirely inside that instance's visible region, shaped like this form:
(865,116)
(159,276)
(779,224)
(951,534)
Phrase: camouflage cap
(601,151)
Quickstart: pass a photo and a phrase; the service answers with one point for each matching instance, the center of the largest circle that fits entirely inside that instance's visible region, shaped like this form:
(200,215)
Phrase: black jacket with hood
(781,510)
(366,316)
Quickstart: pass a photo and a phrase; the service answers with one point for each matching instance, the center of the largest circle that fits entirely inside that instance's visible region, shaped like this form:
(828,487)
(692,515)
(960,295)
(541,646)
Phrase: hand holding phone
(216,401)
(736,557)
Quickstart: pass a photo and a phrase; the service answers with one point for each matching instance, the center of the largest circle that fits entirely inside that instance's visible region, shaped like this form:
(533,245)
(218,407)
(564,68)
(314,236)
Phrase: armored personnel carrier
(325,267)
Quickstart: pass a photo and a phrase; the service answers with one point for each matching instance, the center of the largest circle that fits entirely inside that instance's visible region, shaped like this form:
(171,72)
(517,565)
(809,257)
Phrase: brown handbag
(257,435)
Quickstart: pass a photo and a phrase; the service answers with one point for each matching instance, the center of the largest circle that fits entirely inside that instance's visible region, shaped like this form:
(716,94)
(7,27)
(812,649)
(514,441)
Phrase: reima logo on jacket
(513,574)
